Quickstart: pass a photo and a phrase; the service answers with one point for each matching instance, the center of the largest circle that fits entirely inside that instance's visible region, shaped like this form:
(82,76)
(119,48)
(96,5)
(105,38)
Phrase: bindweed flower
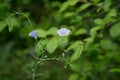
(63,32)
(33,33)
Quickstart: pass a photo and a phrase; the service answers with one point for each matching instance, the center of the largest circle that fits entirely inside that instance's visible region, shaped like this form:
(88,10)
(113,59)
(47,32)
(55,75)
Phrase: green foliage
(106,44)
(69,14)
(77,53)
(81,31)
(52,45)
(12,22)
(115,30)
(115,70)
(99,21)
(39,48)
(94,30)
(68,3)
(89,52)
(73,76)
(52,31)
(2,25)
(83,7)
(78,48)
(63,41)
(41,33)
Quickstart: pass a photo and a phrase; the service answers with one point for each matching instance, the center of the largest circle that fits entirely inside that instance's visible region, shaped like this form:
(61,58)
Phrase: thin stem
(43,59)
(34,70)
(21,13)
(36,39)
(39,74)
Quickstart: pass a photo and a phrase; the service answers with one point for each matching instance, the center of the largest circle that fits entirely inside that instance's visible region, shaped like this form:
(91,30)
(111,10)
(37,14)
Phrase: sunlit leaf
(52,45)
(67,3)
(69,14)
(115,30)
(110,17)
(52,31)
(117,70)
(74,77)
(63,41)
(83,7)
(77,53)
(74,45)
(38,48)
(81,31)
(94,30)
(107,4)
(112,13)
(41,33)
(89,39)
(99,21)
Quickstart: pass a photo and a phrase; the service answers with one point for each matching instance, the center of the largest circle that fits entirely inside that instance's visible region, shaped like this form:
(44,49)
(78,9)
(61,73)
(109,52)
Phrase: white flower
(63,32)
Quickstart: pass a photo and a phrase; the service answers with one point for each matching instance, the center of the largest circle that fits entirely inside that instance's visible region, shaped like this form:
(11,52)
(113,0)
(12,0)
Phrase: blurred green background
(95,22)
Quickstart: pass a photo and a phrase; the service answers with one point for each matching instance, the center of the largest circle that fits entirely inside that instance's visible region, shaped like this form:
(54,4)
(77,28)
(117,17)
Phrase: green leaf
(81,31)
(41,33)
(77,53)
(2,25)
(89,39)
(110,17)
(83,7)
(108,20)
(76,67)
(52,45)
(106,44)
(69,14)
(52,31)
(38,48)
(12,22)
(94,30)
(74,77)
(63,41)
(78,48)
(115,30)
(99,21)
(112,13)
(74,45)
(115,70)
(73,2)
(107,4)
(64,6)
(68,3)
